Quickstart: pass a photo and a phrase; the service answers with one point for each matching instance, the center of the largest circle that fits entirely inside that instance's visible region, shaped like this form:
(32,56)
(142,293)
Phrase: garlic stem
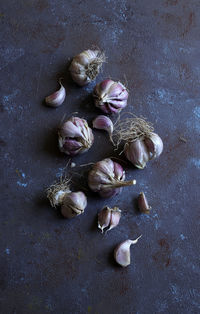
(118,184)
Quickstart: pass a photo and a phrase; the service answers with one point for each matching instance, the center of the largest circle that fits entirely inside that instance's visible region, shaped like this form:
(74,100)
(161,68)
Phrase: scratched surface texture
(49,264)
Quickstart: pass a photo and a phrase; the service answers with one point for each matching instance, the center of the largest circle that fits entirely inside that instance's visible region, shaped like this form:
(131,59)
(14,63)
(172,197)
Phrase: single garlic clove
(122,252)
(73,204)
(104,217)
(115,217)
(154,145)
(56,99)
(103,123)
(136,152)
(143,204)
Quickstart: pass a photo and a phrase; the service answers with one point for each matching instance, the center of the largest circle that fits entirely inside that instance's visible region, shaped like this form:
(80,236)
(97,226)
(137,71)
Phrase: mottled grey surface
(51,265)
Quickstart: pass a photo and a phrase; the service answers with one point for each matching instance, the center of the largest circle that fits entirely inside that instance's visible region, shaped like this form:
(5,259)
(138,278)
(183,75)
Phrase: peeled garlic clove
(86,66)
(110,96)
(103,123)
(115,217)
(104,217)
(107,178)
(136,152)
(122,252)
(56,99)
(154,145)
(73,204)
(75,136)
(143,204)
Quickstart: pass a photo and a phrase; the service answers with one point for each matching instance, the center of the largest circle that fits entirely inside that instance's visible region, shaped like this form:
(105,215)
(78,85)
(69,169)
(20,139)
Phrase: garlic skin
(85,67)
(107,178)
(75,136)
(108,217)
(102,122)
(71,203)
(110,97)
(56,99)
(122,252)
(143,204)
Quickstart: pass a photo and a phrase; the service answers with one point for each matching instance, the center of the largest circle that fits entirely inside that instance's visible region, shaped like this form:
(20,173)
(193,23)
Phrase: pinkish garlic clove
(56,99)
(115,217)
(122,252)
(143,204)
(102,122)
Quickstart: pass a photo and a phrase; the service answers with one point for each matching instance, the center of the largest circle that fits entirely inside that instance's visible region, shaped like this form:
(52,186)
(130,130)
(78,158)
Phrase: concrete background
(49,264)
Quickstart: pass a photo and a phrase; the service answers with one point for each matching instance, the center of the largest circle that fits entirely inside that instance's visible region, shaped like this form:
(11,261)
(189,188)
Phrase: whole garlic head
(86,66)
(107,178)
(75,136)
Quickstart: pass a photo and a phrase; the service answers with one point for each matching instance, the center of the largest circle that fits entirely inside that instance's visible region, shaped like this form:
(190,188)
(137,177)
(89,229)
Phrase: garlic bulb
(143,204)
(75,136)
(71,203)
(86,66)
(107,178)
(141,143)
(110,96)
(108,217)
(56,99)
(122,252)
(102,122)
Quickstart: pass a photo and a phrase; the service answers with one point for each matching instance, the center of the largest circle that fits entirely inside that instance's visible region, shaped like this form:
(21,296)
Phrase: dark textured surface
(51,265)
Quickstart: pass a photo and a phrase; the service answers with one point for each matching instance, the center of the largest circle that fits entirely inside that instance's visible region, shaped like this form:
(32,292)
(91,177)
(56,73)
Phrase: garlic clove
(122,252)
(143,204)
(57,98)
(103,123)
(119,172)
(154,144)
(104,217)
(115,217)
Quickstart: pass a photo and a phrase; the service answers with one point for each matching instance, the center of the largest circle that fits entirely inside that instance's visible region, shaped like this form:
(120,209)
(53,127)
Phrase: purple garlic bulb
(71,203)
(75,136)
(86,66)
(110,96)
(107,178)
(140,151)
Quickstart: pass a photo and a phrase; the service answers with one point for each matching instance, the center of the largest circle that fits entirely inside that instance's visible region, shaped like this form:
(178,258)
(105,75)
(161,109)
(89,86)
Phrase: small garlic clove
(103,123)
(143,204)
(115,217)
(122,252)
(57,98)
(104,217)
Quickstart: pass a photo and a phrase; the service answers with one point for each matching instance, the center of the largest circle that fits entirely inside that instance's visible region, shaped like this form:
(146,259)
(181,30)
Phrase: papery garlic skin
(110,97)
(143,204)
(56,99)
(102,122)
(107,178)
(122,252)
(86,66)
(108,217)
(73,204)
(75,136)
